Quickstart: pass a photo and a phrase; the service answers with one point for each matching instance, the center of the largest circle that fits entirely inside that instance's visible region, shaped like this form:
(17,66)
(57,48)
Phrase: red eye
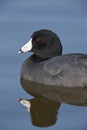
(38,39)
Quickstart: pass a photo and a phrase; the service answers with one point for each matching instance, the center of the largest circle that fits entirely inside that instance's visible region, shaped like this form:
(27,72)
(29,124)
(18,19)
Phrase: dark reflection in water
(47,100)
(43,111)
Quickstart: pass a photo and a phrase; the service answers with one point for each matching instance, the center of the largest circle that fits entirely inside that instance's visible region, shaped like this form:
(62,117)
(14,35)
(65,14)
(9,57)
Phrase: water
(18,19)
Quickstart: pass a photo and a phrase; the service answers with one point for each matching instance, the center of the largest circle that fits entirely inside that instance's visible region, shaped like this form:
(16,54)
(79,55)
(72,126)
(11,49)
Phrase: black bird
(48,66)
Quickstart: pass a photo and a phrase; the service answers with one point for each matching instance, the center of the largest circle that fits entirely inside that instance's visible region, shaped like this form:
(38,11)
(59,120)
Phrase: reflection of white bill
(25,103)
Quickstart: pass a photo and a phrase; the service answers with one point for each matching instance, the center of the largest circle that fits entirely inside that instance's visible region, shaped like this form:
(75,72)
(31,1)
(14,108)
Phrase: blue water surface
(18,19)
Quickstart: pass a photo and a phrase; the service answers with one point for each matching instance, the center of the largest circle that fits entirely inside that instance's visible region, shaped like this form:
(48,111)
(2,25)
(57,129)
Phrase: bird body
(69,70)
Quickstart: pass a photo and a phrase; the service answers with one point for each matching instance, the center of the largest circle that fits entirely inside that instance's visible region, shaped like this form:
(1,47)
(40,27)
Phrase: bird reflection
(44,106)
(43,111)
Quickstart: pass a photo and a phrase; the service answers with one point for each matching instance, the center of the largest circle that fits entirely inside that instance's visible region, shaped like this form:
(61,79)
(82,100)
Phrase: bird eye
(38,39)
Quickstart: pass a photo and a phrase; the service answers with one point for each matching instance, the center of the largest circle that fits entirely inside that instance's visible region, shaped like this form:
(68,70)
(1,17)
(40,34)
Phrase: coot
(48,66)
